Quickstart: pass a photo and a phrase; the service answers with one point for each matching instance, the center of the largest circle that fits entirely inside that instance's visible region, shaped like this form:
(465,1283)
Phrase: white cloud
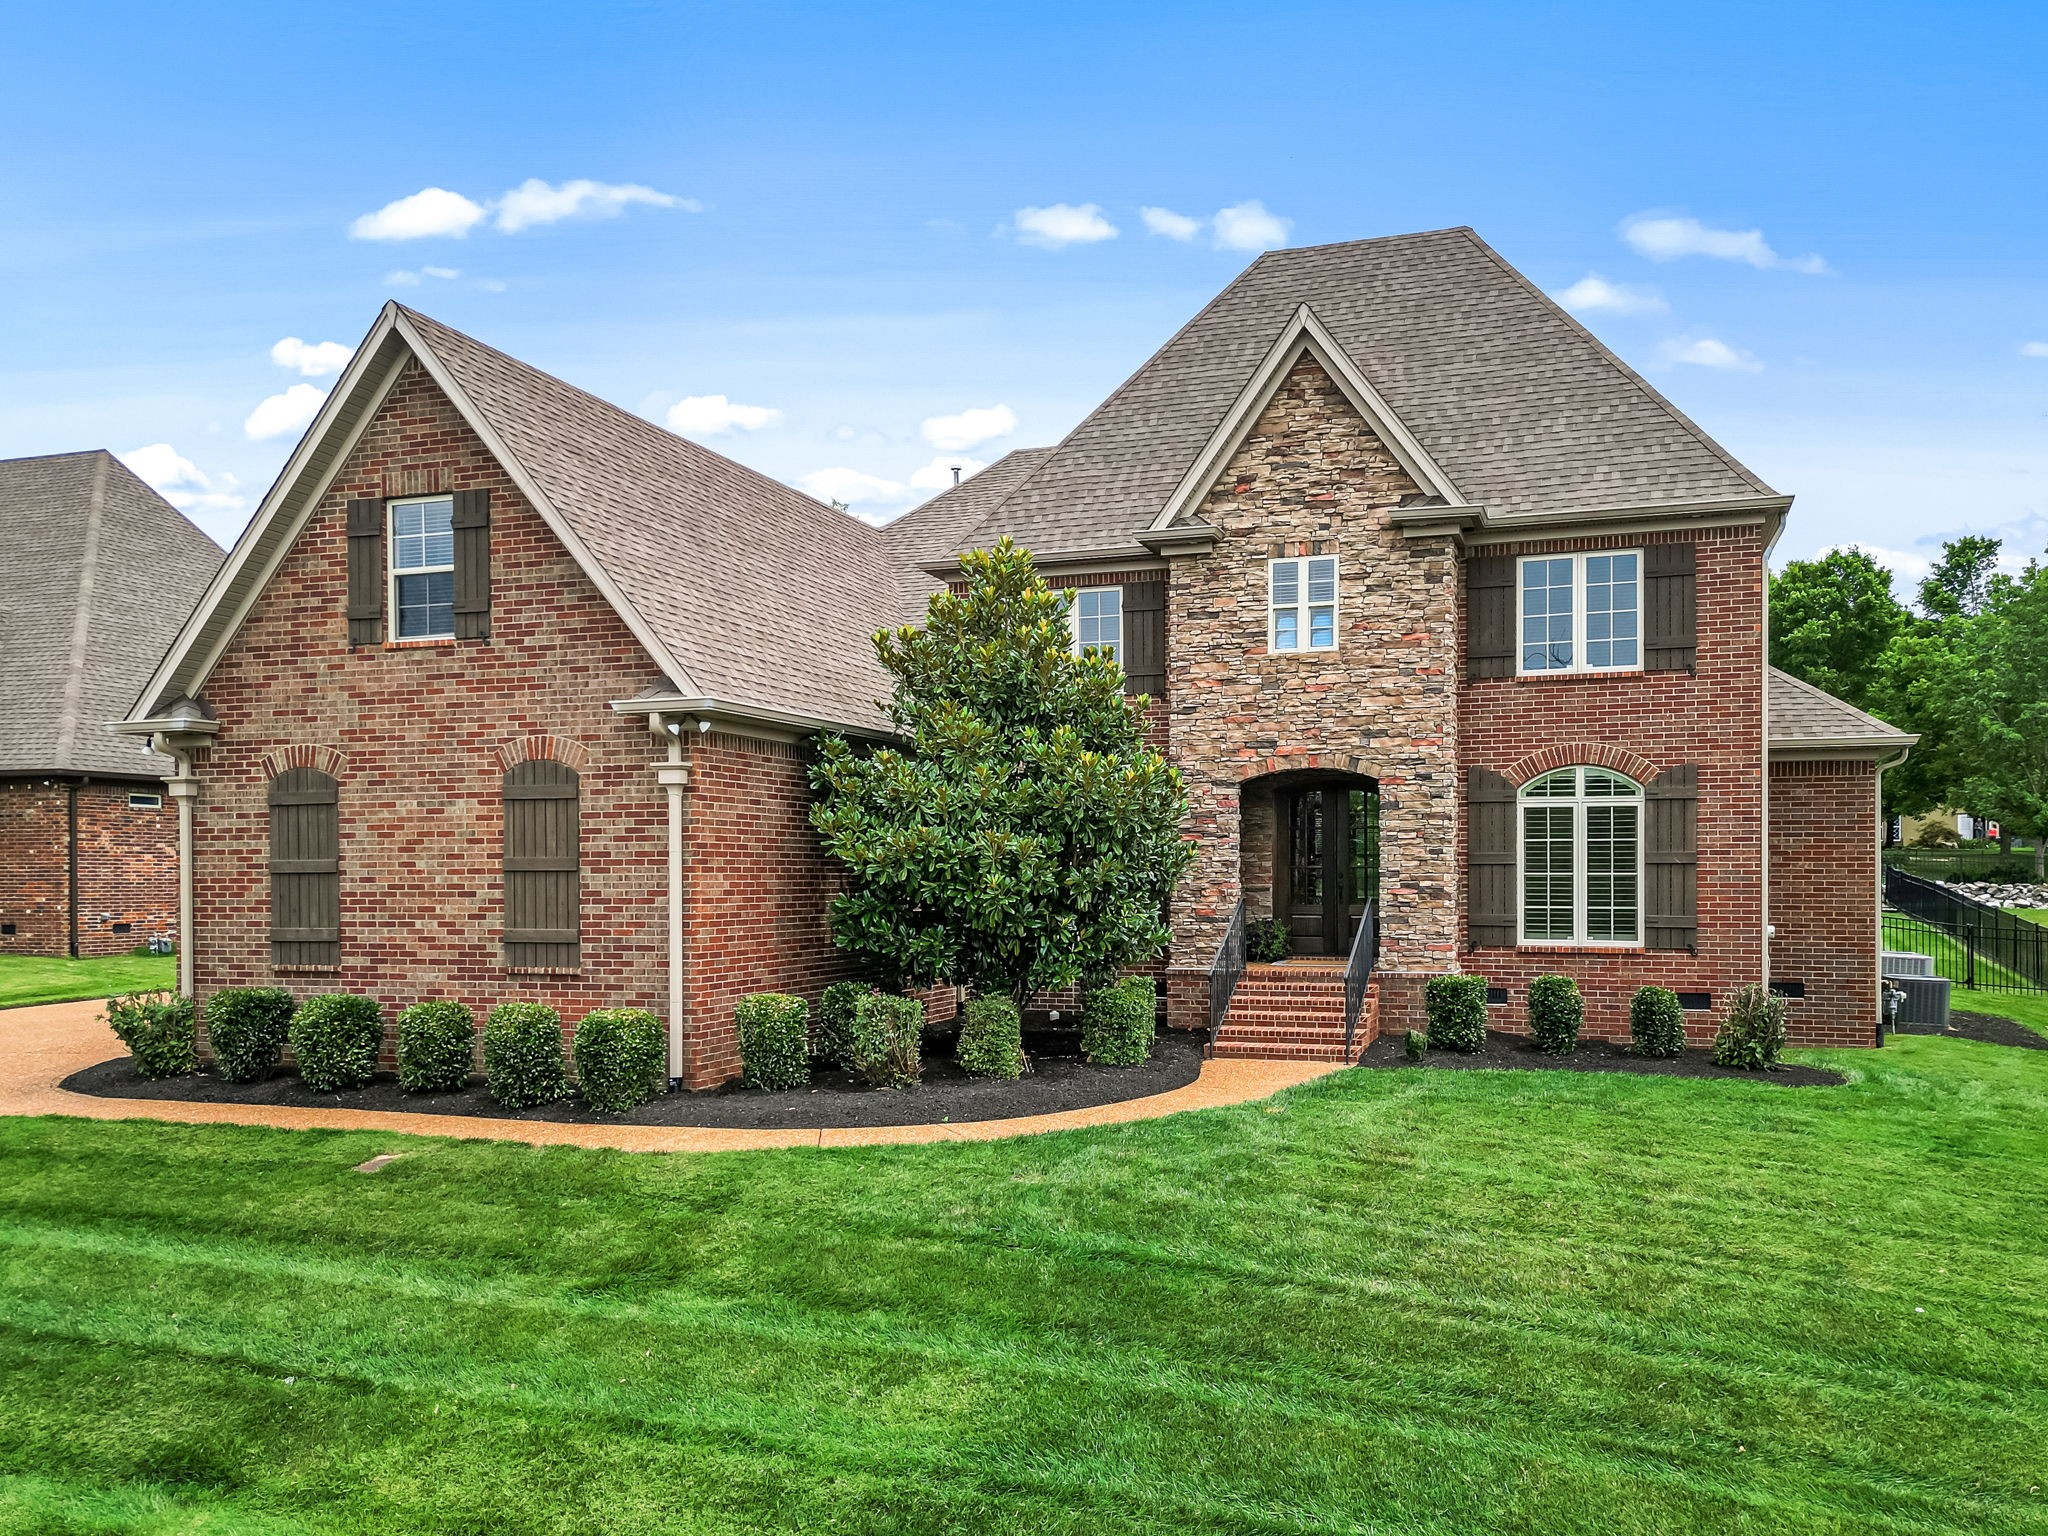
(313,359)
(1063,224)
(535,202)
(1667,239)
(2034,349)
(1593,292)
(404,279)
(969,427)
(1709,353)
(1175,226)
(714,415)
(278,415)
(938,475)
(1249,227)
(432,211)
(1903,564)
(440,272)
(181,482)
(851,487)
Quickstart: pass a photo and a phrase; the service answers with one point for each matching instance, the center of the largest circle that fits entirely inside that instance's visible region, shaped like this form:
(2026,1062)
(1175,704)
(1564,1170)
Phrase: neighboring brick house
(99,572)
(1444,614)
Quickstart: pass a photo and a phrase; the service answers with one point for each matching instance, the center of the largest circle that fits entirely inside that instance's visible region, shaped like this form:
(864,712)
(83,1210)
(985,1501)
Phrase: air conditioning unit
(1898,962)
(1923,1005)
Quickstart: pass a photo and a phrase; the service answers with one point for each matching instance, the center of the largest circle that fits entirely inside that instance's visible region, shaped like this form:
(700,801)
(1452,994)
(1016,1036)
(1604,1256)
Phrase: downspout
(674,776)
(1877,907)
(71,867)
(184,789)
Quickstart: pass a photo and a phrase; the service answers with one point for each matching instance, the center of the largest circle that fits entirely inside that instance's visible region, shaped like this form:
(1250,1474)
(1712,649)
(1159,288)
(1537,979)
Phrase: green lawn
(2031,914)
(39,979)
(1413,1302)
(2030,1008)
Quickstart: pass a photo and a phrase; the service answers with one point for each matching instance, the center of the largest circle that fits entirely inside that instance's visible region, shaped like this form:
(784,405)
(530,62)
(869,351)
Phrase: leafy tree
(1993,680)
(1961,579)
(1832,620)
(1023,837)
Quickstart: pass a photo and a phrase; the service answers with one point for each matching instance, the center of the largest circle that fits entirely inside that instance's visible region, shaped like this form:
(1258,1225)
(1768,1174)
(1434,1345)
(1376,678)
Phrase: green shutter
(305,868)
(1490,616)
(365,572)
(1671,859)
(1489,860)
(472,524)
(543,874)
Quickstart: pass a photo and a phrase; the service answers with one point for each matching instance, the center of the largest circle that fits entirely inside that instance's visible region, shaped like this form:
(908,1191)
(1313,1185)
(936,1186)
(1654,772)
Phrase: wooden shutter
(543,880)
(1670,581)
(1671,859)
(305,869)
(472,524)
(365,572)
(1145,638)
(1489,860)
(1490,616)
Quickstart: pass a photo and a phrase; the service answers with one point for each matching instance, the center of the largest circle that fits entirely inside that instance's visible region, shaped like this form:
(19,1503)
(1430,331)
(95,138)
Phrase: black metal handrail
(1365,949)
(1227,969)
(2014,952)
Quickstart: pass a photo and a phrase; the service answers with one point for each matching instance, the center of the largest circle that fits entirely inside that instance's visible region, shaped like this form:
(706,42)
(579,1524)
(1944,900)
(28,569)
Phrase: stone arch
(556,749)
(1576,753)
(328,760)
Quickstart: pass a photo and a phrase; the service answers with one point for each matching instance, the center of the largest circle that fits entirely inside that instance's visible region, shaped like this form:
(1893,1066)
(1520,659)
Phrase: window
(145,802)
(1301,597)
(1098,621)
(1582,858)
(423,568)
(543,870)
(1581,613)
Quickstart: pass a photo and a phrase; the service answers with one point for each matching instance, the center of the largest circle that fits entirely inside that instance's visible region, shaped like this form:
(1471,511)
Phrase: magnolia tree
(1022,837)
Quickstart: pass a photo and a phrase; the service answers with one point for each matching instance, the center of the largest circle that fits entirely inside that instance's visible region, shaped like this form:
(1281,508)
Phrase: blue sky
(814,212)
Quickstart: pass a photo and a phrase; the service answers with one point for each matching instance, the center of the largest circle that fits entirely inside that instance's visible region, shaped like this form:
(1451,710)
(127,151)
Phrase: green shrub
(883,1044)
(436,1047)
(775,1044)
(991,1038)
(1754,1036)
(1656,1024)
(621,1058)
(160,1030)
(1267,940)
(1456,1006)
(247,1028)
(1415,1044)
(833,1022)
(1555,1013)
(335,1037)
(1117,1022)
(523,1055)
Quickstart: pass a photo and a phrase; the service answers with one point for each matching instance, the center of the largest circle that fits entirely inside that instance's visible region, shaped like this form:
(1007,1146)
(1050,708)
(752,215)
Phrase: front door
(1333,856)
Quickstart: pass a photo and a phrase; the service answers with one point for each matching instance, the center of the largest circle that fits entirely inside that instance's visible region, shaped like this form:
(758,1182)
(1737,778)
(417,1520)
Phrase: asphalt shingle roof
(1799,714)
(934,530)
(100,573)
(1521,407)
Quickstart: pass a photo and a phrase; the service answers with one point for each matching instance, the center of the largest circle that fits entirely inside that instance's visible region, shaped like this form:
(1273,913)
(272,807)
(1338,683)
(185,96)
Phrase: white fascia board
(1304,332)
(752,719)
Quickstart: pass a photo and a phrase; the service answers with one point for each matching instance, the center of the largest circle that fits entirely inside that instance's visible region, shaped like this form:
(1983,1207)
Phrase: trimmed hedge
(621,1058)
(833,1022)
(1753,1038)
(160,1029)
(1456,1006)
(1117,1022)
(436,1047)
(523,1055)
(1267,939)
(335,1037)
(1656,1024)
(991,1038)
(247,1028)
(1555,1013)
(775,1040)
(883,1044)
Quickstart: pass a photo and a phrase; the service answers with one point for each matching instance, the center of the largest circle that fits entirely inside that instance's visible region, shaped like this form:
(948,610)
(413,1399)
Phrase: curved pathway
(41,1046)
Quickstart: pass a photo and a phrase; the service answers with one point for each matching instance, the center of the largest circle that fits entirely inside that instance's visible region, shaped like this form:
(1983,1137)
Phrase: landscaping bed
(1058,1080)
(1518,1051)
(1987,1027)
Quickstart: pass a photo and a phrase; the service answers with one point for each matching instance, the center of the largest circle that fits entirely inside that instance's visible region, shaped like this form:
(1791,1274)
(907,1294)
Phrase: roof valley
(81,616)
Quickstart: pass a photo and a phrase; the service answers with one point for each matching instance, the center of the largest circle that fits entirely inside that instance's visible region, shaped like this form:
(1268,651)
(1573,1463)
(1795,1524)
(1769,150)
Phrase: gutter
(707,709)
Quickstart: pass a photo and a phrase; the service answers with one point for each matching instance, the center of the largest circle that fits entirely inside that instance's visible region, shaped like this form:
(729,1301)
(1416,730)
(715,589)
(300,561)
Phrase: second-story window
(423,568)
(1301,600)
(1099,621)
(1581,613)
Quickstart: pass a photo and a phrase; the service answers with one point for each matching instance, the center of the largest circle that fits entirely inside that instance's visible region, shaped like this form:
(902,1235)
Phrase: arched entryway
(1311,855)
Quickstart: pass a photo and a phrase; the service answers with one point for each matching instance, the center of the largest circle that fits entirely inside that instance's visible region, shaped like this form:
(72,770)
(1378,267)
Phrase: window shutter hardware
(1490,832)
(1670,607)
(365,572)
(471,521)
(1490,616)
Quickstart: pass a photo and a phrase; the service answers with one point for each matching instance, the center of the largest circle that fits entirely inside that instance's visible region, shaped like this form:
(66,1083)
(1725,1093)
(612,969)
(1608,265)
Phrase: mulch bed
(1058,1080)
(1988,1027)
(1517,1051)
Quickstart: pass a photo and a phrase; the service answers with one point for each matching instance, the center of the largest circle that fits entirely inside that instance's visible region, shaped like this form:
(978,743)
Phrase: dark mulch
(1591,1056)
(1988,1027)
(1059,1079)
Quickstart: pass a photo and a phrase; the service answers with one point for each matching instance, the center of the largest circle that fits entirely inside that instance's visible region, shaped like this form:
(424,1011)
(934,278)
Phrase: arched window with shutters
(543,869)
(1582,858)
(305,868)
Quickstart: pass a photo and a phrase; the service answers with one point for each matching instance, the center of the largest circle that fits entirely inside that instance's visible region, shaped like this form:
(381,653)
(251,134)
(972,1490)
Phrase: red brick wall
(1824,903)
(127,868)
(1714,720)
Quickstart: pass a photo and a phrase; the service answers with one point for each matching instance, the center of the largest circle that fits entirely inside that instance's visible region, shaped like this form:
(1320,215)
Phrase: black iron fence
(1991,864)
(1972,944)
(1365,948)
(1227,968)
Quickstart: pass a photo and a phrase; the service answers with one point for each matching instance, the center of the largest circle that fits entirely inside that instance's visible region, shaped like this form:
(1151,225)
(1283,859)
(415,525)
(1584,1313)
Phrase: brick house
(100,572)
(1454,627)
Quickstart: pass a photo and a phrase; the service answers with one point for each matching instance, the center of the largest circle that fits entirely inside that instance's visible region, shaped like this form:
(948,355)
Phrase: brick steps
(1290,1013)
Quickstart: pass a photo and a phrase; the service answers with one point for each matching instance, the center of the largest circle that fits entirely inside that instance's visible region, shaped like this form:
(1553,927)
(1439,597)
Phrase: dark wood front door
(1331,865)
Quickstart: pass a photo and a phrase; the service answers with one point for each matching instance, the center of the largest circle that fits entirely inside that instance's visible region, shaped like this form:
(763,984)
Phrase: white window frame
(1303,629)
(145,800)
(1115,647)
(1577,802)
(392,571)
(1579,663)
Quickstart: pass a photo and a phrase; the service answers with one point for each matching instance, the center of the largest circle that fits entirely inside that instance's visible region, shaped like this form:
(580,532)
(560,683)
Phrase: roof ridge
(1340,245)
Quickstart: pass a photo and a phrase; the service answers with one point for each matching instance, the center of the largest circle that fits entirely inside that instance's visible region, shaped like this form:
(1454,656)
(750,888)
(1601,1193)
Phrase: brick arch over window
(1575,754)
(550,749)
(304,755)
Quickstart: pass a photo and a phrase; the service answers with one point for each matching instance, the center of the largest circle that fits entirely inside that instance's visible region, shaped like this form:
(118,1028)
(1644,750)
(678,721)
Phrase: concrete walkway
(41,1046)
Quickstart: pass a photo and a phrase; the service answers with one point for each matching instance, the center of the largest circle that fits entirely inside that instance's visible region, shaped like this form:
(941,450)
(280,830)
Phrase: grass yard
(2031,914)
(2030,1008)
(28,979)
(1433,1303)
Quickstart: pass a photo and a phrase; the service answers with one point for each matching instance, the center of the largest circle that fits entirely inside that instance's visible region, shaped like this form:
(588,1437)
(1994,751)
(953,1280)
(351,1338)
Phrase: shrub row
(1118,1021)
(1752,1037)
